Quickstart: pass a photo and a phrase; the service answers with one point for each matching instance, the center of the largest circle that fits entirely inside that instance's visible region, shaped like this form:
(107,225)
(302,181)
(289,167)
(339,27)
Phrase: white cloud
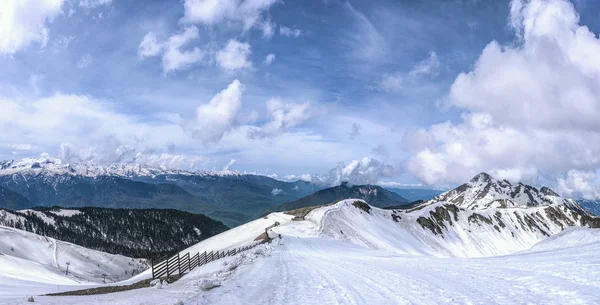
(289,32)
(234,56)
(25,21)
(267,28)
(579,184)
(84,61)
(428,66)
(219,115)
(93,3)
(365,171)
(391,82)
(396,82)
(530,109)
(173,57)
(269,59)
(100,132)
(150,46)
(212,12)
(282,117)
(276,191)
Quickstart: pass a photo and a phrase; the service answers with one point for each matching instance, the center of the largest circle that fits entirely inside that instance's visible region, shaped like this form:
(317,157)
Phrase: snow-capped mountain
(53,166)
(483,191)
(228,196)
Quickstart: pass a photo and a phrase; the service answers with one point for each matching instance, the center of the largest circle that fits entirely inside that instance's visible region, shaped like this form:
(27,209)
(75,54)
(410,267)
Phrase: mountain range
(231,197)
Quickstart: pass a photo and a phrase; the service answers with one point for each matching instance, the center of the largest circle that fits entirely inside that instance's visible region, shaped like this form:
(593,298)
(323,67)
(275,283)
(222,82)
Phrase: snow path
(324,271)
(54,254)
(317,271)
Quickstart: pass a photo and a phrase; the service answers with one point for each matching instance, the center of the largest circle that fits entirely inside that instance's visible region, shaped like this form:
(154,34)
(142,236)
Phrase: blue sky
(296,87)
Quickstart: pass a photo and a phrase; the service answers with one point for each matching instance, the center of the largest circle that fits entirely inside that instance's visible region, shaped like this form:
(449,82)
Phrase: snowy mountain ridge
(54,166)
(483,191)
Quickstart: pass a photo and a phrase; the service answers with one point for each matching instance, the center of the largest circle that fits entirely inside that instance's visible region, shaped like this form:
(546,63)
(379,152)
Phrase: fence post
(168,258)
(152,266)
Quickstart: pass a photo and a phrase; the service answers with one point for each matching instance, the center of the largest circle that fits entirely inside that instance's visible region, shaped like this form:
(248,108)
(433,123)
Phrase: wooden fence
(180,264)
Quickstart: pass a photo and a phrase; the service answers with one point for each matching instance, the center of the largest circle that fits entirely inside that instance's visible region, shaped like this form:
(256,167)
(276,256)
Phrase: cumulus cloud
(23,22)
(219,115)
(289,32)
(282,117)
(212,12)
(83,129)
(529,109)
(269,59)
(173,56)
(276,191)
(234,56)
(365,171)
(579,184)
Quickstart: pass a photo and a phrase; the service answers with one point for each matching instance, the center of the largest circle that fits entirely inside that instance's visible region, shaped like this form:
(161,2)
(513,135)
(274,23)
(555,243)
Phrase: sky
(404,92)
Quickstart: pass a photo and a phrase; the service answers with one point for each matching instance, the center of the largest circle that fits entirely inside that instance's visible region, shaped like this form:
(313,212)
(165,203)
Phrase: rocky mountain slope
(375,195)
(131,232)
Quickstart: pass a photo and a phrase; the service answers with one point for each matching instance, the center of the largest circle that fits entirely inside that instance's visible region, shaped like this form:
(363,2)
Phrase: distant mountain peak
(374,194)
(483,191)
(482,177)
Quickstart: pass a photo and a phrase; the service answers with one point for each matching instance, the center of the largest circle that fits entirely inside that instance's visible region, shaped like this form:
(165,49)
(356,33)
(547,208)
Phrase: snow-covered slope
(350,253)
(30,257)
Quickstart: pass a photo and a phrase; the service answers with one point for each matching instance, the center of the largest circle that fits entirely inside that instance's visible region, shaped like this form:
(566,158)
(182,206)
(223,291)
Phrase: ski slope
(342,255)
(39,263)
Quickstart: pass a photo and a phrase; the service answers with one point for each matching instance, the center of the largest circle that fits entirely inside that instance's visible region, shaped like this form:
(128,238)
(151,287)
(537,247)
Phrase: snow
(47,220)
(30,261)
(53,166)
(65,213)
(343,255)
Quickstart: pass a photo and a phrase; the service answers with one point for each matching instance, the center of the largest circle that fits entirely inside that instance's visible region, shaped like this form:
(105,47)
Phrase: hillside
(375,195)
(12,200)
(130,232)
(27,256)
